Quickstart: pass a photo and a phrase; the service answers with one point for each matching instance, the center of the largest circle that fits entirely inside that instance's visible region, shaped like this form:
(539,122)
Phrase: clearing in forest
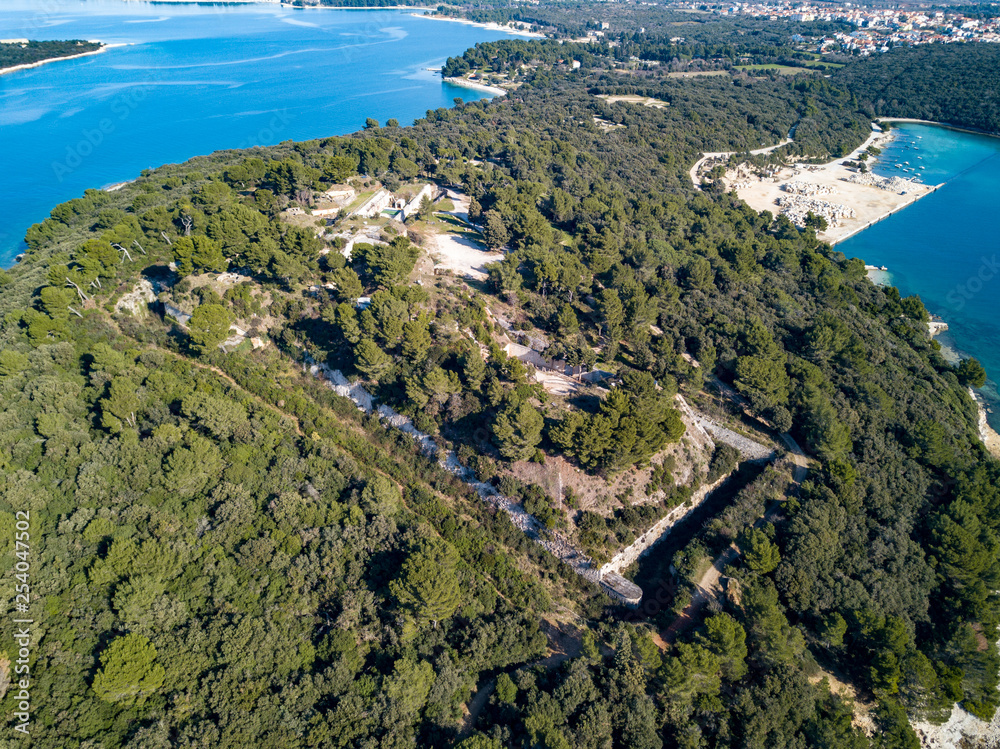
(647,101)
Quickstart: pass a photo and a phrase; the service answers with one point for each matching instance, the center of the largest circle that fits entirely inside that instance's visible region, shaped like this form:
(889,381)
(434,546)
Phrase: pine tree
(759,553)
(495,232)
(517,431)
(416,340)
(568,324)
(971,373)
(120,408)
(612,312)
(209,326)
(371,361)
(726,638)
(129,671)
(428,583)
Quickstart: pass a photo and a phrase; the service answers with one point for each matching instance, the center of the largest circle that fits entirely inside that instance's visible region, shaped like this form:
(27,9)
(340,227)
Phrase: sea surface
(946,246)
(198,78)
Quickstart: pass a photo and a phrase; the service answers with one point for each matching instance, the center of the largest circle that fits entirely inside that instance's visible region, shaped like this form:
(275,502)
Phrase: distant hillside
(953,83)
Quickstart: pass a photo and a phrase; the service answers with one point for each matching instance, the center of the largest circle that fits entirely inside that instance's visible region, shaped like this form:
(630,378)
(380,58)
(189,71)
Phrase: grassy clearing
(780,69)
(360,200)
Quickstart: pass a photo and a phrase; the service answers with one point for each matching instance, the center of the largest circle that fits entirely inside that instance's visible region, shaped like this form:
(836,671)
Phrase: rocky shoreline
(989,436)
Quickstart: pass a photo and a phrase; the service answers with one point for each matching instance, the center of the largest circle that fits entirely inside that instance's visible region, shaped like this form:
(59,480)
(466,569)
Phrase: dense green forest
(25,54)
(656,33)
(223,551)
(955,83)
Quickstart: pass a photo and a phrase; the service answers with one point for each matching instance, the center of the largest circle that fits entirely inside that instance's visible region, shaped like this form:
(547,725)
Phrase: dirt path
(727,154)
(709,586)
(563,646)
(236,385)
(474,708)
(458,253)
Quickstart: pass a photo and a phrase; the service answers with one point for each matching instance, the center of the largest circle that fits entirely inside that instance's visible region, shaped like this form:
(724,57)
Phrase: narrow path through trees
(719,154)
(709,587)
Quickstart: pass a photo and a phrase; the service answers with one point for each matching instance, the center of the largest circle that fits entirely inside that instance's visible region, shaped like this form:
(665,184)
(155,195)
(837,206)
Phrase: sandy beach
(28,66)
(862,205)
(490,26)
(466,83)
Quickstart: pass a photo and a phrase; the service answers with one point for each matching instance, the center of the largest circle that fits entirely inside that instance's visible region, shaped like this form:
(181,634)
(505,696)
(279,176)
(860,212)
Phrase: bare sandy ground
(870,203)
(463,256)
(696,73)
(647,101)
(458,254)
(557,384)
(726,154)
(465,83)
(960,727)
(991,440)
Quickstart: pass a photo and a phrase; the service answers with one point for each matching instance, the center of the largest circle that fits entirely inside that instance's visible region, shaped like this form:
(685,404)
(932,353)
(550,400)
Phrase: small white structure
(375,204)
(341,193)
(414,205)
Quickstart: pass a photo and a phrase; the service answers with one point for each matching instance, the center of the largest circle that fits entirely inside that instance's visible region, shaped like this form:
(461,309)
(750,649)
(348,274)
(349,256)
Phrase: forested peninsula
(29,53)
(225,551)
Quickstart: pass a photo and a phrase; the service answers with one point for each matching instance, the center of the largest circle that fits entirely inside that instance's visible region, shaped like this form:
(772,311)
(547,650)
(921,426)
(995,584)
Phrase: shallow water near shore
(945,247)
(199,78)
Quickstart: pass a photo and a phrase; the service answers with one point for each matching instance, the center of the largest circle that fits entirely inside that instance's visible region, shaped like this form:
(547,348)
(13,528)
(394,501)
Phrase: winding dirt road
(709,587)
(727,154)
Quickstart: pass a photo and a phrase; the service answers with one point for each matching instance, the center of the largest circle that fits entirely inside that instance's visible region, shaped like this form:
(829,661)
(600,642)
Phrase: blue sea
(198,78)
(946,246)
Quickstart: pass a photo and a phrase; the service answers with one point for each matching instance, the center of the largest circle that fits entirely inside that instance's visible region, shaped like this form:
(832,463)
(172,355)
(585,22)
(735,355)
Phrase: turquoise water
(195,79)
(946,247)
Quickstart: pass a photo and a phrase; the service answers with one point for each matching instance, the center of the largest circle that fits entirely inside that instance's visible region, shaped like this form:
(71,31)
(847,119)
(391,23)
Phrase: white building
(375,204)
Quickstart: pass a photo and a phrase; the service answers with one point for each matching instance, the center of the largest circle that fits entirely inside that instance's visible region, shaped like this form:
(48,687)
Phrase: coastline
(914,199)
(29,65)
(208,2)
(464,83)
(945,125)
(491,26)
(989,436)
(866,204)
